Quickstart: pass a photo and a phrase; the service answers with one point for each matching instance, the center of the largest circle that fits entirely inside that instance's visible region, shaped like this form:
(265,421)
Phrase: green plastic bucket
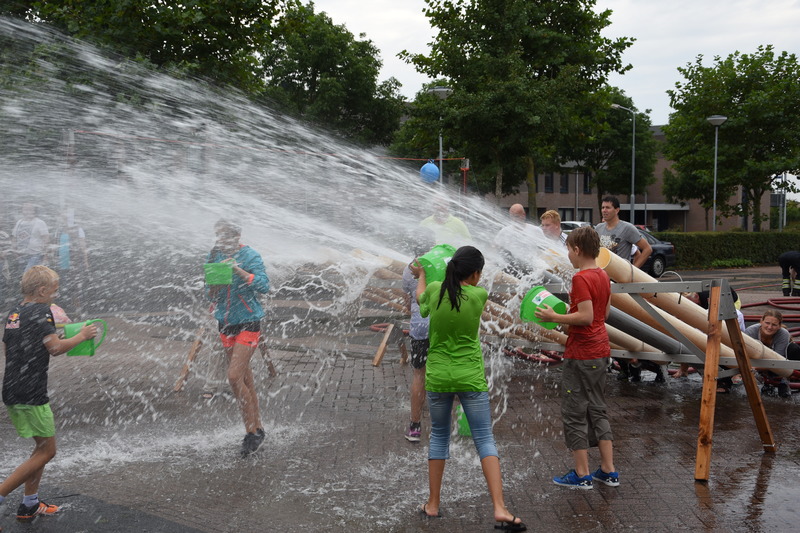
(435,262)
(218,273)
(463,424)
(88,346)
(535,298)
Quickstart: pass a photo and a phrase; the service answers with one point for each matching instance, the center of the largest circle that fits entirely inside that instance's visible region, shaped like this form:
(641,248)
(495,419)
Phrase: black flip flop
(511,525)
(424,511)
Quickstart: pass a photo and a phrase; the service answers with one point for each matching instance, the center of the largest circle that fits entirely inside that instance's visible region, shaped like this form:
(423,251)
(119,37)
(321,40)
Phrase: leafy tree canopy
(276,48)
(319,69)
(604,145)
(759,94)
(516,68)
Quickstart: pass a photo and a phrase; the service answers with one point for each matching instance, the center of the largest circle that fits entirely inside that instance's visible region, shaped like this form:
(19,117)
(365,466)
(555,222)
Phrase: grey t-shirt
(620,239)
(780,341)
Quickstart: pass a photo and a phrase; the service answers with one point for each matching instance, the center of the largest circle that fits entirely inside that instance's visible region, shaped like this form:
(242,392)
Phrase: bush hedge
(701,249)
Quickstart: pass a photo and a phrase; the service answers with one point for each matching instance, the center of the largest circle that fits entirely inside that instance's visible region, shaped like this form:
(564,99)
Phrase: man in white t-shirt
(519,242)
(31,238)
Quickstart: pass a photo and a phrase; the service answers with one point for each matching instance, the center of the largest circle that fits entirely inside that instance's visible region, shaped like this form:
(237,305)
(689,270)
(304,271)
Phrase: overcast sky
(668,35)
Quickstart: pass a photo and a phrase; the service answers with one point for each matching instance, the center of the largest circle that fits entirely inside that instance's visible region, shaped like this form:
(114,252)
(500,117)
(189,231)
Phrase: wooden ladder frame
(717,313)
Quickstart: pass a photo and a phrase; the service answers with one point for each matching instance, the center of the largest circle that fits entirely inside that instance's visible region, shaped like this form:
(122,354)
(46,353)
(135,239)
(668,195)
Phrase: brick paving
(135,456)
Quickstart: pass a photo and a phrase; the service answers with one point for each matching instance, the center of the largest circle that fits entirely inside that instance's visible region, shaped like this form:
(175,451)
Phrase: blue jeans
(478,413)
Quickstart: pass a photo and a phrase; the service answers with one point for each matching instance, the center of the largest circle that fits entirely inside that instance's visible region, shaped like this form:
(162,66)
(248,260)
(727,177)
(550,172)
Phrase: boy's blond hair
(35,277)
(553,214)
(587,239)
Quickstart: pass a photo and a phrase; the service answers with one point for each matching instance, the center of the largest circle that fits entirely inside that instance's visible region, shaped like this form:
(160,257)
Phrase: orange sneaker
(26,514)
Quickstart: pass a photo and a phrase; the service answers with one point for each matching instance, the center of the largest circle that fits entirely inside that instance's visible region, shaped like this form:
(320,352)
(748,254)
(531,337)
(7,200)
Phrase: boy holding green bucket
(586,358)
(30,339)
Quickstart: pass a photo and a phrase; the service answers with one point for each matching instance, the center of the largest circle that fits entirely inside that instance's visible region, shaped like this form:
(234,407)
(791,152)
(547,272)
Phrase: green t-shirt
(455,358)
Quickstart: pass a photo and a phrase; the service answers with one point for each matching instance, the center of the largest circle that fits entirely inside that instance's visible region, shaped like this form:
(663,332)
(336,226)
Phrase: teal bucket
(534,299)
(218,273)
(435,262)
(88,346)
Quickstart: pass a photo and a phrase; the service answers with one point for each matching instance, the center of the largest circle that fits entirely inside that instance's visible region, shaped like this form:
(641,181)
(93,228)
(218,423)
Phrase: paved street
(134,456)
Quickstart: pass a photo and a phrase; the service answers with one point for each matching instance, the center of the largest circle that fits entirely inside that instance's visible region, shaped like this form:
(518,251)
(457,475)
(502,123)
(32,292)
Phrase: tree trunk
(498,185)
(530,179)
(745,209)
(756,202)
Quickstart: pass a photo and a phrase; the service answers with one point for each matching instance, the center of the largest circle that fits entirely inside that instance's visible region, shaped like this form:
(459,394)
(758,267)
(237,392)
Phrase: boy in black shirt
(30,339)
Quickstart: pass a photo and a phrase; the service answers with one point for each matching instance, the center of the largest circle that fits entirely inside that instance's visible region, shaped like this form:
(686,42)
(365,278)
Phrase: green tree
(760,95)
(603,146)
(320,70)
(516,68)
(216,39)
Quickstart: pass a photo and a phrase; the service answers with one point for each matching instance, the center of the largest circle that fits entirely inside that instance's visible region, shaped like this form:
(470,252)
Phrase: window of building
(566,213)
(564,183)
(548,182)
(587,183)
(585,215)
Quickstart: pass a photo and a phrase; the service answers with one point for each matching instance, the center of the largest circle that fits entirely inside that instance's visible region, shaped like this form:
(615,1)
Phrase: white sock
(2,499)
(30,501)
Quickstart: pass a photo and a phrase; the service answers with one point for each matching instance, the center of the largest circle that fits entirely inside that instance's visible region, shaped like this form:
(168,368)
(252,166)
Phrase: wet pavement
(135,456)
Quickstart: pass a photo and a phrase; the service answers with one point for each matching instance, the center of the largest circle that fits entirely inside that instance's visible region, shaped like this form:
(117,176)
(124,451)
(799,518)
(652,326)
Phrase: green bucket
(218,273)
(534,300)
(463,424)
(435,262)
(88,346)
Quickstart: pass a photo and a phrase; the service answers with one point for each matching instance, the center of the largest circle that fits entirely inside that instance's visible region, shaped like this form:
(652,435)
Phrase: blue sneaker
(611,478)
(573,481)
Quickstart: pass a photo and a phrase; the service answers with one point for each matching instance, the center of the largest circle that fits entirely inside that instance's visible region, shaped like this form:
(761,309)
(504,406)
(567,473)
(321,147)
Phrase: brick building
(570,192)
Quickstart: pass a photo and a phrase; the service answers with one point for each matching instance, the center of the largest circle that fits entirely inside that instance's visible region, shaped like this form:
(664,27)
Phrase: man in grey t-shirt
(620,236)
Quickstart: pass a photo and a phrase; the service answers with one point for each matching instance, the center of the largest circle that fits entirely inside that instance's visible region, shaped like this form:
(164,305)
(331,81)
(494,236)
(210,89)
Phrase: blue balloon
(429,172)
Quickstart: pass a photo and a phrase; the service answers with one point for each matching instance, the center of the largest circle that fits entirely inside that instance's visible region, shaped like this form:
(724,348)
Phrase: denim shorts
(479,415)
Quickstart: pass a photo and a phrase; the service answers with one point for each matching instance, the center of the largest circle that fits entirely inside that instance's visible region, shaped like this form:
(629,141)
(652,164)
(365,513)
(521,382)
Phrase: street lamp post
(716,121)
(633,161)
(442,93)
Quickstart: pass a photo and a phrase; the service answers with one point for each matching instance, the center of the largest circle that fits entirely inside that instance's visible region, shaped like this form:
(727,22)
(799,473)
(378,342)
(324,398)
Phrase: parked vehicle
(569,225)
(662,258)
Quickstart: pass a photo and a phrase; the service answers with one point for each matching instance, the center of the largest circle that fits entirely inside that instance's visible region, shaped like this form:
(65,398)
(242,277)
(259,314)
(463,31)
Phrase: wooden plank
(187,366)
(708,397)
(401,344)
(262,346)
(751,387)
(376,361)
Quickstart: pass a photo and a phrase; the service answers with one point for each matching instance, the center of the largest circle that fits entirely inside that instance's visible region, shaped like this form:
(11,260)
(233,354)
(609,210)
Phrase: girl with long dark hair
(455,368)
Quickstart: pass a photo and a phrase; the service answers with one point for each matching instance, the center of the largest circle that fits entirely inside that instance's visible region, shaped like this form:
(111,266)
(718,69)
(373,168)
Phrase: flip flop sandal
(511,525)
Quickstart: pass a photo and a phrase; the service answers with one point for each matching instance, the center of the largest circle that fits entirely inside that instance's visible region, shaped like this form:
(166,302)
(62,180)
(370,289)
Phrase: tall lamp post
(633,161)
(716,121)
(442,93)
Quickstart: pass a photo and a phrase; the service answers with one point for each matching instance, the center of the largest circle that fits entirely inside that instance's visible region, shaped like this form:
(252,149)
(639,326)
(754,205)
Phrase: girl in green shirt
(455,368)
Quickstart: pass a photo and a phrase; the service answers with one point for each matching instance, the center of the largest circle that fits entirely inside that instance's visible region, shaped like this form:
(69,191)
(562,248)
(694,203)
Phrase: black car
(662,258)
